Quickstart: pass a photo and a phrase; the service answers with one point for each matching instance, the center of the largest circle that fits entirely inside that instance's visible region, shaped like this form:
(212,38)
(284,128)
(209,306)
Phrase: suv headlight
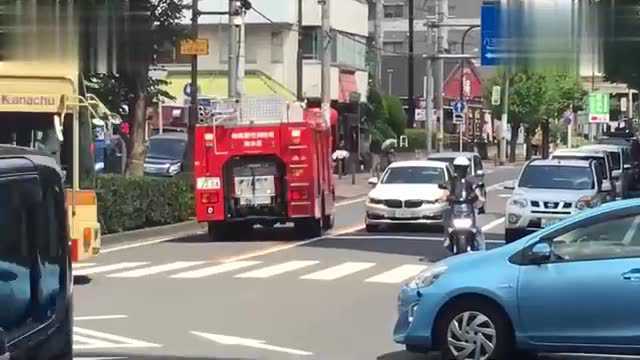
(586,202)
(427,277)
(518,202)
(174,169)
(375,201)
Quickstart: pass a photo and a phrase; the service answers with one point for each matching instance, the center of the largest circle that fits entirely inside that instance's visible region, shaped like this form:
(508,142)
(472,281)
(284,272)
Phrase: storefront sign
(29,103)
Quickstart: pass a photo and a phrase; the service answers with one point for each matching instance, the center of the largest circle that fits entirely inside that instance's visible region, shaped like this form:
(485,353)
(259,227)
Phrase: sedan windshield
(557,177)
(167,148)
(414,175)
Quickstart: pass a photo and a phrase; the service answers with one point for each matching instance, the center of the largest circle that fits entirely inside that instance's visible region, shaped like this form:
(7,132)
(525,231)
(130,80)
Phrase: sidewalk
(345,190)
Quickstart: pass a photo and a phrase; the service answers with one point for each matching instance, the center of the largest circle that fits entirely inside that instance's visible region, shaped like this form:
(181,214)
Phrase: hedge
(129,203)
(417,139)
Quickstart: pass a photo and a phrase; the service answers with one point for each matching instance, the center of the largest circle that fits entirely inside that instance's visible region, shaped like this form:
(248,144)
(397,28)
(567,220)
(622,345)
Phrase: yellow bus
(42,106)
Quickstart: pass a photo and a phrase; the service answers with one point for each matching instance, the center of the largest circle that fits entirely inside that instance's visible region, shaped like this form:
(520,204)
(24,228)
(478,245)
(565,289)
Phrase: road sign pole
(461,129)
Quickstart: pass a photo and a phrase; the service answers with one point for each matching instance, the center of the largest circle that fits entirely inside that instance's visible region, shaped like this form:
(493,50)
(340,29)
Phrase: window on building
(393,46)
(251,50)
(431,10)
(311,43)
(277,47)
(170,54)
(452,10)
(223,47)
(393,11)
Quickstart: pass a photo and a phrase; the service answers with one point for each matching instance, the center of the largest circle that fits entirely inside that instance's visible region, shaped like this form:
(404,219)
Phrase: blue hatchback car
(571,288)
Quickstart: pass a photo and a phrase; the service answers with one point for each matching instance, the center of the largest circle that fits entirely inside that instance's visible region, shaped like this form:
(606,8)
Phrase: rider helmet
(461,166)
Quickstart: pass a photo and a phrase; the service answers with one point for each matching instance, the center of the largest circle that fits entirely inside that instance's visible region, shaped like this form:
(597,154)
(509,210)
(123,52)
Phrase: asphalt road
(268,296)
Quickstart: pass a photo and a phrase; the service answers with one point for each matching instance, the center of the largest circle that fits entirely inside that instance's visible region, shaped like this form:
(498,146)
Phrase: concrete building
(395,27)
(272,46)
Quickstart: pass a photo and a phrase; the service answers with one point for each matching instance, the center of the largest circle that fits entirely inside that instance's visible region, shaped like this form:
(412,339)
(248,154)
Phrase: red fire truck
(264,161)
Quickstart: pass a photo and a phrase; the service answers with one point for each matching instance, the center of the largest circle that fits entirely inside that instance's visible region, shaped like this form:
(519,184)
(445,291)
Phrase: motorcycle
(463,234)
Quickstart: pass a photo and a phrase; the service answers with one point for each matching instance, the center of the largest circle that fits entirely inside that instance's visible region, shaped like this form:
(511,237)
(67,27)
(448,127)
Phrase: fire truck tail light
(209,198)
(299,194)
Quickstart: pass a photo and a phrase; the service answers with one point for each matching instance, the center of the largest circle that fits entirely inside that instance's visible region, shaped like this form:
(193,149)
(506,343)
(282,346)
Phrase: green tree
(377,117)
(527,93)
(395,115)
(149,24)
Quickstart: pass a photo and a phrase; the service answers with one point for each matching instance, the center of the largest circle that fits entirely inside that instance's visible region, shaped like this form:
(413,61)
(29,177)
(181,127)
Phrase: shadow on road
(117,356)
(405,355)
(79,280)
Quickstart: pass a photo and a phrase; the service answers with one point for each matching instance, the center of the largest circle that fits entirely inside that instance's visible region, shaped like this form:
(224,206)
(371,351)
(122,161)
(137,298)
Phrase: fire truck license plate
(258,200)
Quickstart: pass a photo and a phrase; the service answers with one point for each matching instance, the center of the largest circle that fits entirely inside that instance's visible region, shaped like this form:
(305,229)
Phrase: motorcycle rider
(464,187)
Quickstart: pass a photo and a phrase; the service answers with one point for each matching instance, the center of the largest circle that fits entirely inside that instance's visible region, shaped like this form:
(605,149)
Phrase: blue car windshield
(557,177)
(414,175)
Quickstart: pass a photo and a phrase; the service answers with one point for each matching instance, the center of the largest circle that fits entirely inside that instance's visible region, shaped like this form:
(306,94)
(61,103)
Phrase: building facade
(271,50)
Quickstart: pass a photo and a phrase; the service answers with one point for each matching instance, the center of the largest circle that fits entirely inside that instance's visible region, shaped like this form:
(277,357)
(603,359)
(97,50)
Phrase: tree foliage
(377,117)
(395,115)
(620,43)
(150,25)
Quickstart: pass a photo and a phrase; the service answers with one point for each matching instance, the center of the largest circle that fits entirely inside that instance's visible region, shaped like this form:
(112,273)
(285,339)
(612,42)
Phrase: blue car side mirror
(540,253)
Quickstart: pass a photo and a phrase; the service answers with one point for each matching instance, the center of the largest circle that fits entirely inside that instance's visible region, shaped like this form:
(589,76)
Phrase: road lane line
(253,343)
(107,268)
(498,186)
(278,269)
(397,275)
(90,343)
(400,237)
(147,243)
(352,201)
(101,317)
(156,269)
(216,269)
(290,246)
(118,341)
(81,265)
(338,271)
(492,224)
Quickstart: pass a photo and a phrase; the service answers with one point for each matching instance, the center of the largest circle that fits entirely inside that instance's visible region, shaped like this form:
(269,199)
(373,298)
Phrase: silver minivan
(621,165)
(603,164)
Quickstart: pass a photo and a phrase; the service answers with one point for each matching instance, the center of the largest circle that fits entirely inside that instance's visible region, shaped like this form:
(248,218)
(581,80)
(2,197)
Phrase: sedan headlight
(174,169)
(427,277)
(518,202)
(375,201)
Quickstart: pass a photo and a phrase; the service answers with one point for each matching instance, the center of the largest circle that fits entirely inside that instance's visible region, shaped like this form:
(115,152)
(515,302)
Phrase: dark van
(35,269)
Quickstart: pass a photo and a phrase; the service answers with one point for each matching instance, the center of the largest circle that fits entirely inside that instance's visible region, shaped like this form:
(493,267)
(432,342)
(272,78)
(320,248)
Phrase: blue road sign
(490,33)
(458,107)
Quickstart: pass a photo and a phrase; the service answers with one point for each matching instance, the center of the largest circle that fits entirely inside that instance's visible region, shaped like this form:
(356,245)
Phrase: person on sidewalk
(375,150)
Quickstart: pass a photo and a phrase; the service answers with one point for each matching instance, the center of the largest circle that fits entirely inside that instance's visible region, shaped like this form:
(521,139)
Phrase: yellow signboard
(29,103)
(194,47)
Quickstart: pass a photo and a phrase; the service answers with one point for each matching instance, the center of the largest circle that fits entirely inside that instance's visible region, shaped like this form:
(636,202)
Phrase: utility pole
(411,98)
(442,13)
(379,41)
(326,61)
(505,118)
(299,63)
(235,28)
(193,92)
(429,102)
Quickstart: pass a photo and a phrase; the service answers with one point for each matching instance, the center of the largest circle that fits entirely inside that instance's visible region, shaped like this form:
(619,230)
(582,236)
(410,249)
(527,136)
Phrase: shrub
(396,117)
(129,203)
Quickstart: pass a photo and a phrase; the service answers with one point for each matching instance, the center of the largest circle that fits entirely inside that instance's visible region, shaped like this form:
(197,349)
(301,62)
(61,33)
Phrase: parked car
(35,268)
(570,288)
(602,161)
(165,154)
(548,191)
(622,167)
(408,193)
(476,170)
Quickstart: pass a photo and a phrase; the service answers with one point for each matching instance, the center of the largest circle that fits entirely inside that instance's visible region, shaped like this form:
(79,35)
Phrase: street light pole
(389,88)
(462,67)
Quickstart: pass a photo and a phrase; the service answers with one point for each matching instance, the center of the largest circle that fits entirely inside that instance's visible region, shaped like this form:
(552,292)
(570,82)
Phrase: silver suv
(549,191)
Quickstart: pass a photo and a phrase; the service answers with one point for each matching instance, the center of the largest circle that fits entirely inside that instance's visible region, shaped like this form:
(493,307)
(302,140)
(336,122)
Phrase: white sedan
(408,192)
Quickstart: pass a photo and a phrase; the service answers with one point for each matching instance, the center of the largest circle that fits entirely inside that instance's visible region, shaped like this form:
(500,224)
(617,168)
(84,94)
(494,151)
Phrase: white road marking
(80,357)
(81,265)
(291,245)
(397,275)
(492,224)
(146,243)
(403,237)
(338,271)
(107,268)
(352,201)
(498,186)
(257,344)
(157,269)
(504,196)
(95,339)
(277,269)
(101,317)
(216,269)
(630,235)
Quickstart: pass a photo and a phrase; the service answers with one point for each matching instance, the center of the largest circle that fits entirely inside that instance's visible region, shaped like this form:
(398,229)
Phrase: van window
(615,160)
(15,257)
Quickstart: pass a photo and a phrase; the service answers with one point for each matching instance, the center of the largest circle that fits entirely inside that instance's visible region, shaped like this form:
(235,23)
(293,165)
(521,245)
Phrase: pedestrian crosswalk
(368,272)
